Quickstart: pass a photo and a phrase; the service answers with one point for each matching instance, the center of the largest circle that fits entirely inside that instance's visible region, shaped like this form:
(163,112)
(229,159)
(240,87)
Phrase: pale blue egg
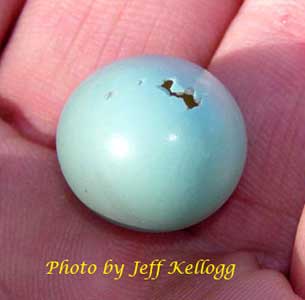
(153,143)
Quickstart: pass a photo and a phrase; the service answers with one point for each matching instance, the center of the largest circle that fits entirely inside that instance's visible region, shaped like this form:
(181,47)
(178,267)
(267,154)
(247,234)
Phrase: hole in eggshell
(108,95)
(187,95)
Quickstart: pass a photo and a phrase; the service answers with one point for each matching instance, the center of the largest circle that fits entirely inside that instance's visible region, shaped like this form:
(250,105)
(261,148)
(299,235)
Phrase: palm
(53,47)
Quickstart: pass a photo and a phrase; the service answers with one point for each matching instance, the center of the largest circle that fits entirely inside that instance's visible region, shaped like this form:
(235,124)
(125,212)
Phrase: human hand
(259,56)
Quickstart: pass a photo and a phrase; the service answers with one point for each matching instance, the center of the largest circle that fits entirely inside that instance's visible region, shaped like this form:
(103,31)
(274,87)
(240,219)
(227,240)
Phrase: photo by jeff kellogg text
(148,271)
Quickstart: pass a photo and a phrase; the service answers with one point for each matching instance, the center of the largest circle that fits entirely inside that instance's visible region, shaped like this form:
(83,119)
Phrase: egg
(152,143)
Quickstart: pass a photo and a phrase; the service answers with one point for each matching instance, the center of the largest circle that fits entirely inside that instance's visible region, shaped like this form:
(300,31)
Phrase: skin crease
(259,56)
(8,14)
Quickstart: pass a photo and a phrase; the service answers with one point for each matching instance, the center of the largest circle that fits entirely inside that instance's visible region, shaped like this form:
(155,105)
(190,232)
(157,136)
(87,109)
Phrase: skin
(256,48)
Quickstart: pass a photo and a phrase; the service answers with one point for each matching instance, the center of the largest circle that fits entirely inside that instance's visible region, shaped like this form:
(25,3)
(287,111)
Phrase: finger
(247,281)
(9,11)
(297,271)
(261,60)
(58,43)
(264,284)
